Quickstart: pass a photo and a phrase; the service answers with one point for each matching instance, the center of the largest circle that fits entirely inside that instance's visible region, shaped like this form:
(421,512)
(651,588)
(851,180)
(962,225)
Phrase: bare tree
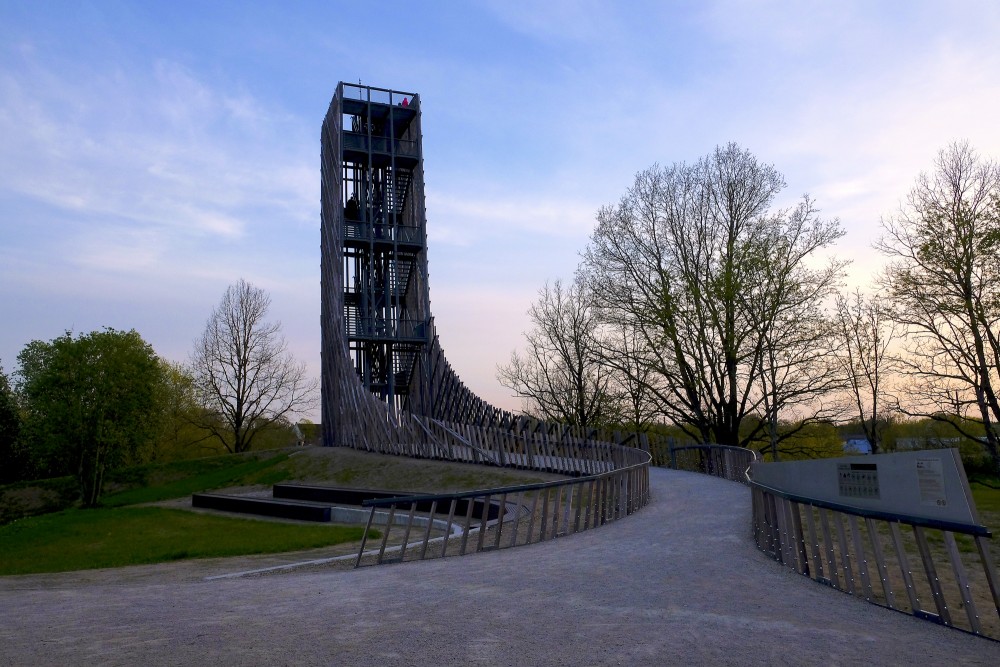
(622,351)
(944,281)
(560,377)
(798,370)
(694,259)
(798,376)
(866,331)
(244,375)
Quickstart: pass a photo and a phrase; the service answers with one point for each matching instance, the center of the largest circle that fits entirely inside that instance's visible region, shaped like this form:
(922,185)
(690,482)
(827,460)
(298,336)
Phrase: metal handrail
(557,508)
(465,442)
(953,526)
(427,497)
(359,88)
(741,452)
(824,541)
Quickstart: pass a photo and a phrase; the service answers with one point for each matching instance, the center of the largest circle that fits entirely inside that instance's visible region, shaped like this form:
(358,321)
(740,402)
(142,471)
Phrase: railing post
(364,538)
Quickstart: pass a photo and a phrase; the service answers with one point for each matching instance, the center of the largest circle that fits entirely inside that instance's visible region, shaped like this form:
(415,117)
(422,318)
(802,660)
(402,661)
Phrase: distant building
(926,442)
(856,445)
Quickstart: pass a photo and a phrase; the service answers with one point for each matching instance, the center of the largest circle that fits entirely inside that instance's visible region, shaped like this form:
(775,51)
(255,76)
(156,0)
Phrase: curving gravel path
(678,583)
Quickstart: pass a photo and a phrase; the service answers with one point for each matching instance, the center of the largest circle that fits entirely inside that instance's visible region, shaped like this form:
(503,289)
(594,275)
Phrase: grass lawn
(175,480)
(87,539)
(987,503)
(120,533)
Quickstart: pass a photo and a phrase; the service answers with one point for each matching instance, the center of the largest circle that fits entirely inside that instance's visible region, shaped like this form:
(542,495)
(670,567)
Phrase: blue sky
(152,153)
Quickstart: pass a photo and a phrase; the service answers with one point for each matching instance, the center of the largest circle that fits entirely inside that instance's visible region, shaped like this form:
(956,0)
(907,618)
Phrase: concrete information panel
(929,484)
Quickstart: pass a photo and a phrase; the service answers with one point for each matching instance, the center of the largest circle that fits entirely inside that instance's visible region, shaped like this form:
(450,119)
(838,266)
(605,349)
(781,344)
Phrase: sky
(153,153)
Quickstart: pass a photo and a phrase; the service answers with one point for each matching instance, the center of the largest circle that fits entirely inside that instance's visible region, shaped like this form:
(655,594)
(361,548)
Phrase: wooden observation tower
(382,363)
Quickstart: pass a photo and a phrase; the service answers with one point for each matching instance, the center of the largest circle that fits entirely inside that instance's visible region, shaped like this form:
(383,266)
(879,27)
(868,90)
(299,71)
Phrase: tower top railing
(365,93)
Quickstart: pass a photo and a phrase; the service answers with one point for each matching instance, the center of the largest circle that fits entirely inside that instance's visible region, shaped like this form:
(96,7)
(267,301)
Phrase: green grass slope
(126,531)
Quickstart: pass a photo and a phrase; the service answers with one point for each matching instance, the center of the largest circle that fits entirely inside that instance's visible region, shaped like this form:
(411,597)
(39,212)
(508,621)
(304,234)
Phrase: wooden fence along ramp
(606,482)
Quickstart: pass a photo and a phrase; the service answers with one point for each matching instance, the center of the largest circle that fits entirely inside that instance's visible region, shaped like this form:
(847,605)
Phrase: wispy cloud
(159,148)
(583,21)
(461,218)
(134,193)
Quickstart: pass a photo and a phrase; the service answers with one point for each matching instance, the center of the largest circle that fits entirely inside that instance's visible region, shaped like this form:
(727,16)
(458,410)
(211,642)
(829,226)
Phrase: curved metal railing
(726,461)
(906,563)
(869,554)
(610,482)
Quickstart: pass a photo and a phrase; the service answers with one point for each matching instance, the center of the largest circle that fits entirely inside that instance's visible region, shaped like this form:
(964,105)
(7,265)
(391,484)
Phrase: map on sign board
(858,480)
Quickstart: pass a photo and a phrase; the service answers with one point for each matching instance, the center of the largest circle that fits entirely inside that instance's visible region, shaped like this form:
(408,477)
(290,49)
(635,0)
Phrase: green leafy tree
(13,462)
(181,435)
(91,403)
(813,440)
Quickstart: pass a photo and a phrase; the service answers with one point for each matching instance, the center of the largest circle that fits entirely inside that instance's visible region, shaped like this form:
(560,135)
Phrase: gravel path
(678,583)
